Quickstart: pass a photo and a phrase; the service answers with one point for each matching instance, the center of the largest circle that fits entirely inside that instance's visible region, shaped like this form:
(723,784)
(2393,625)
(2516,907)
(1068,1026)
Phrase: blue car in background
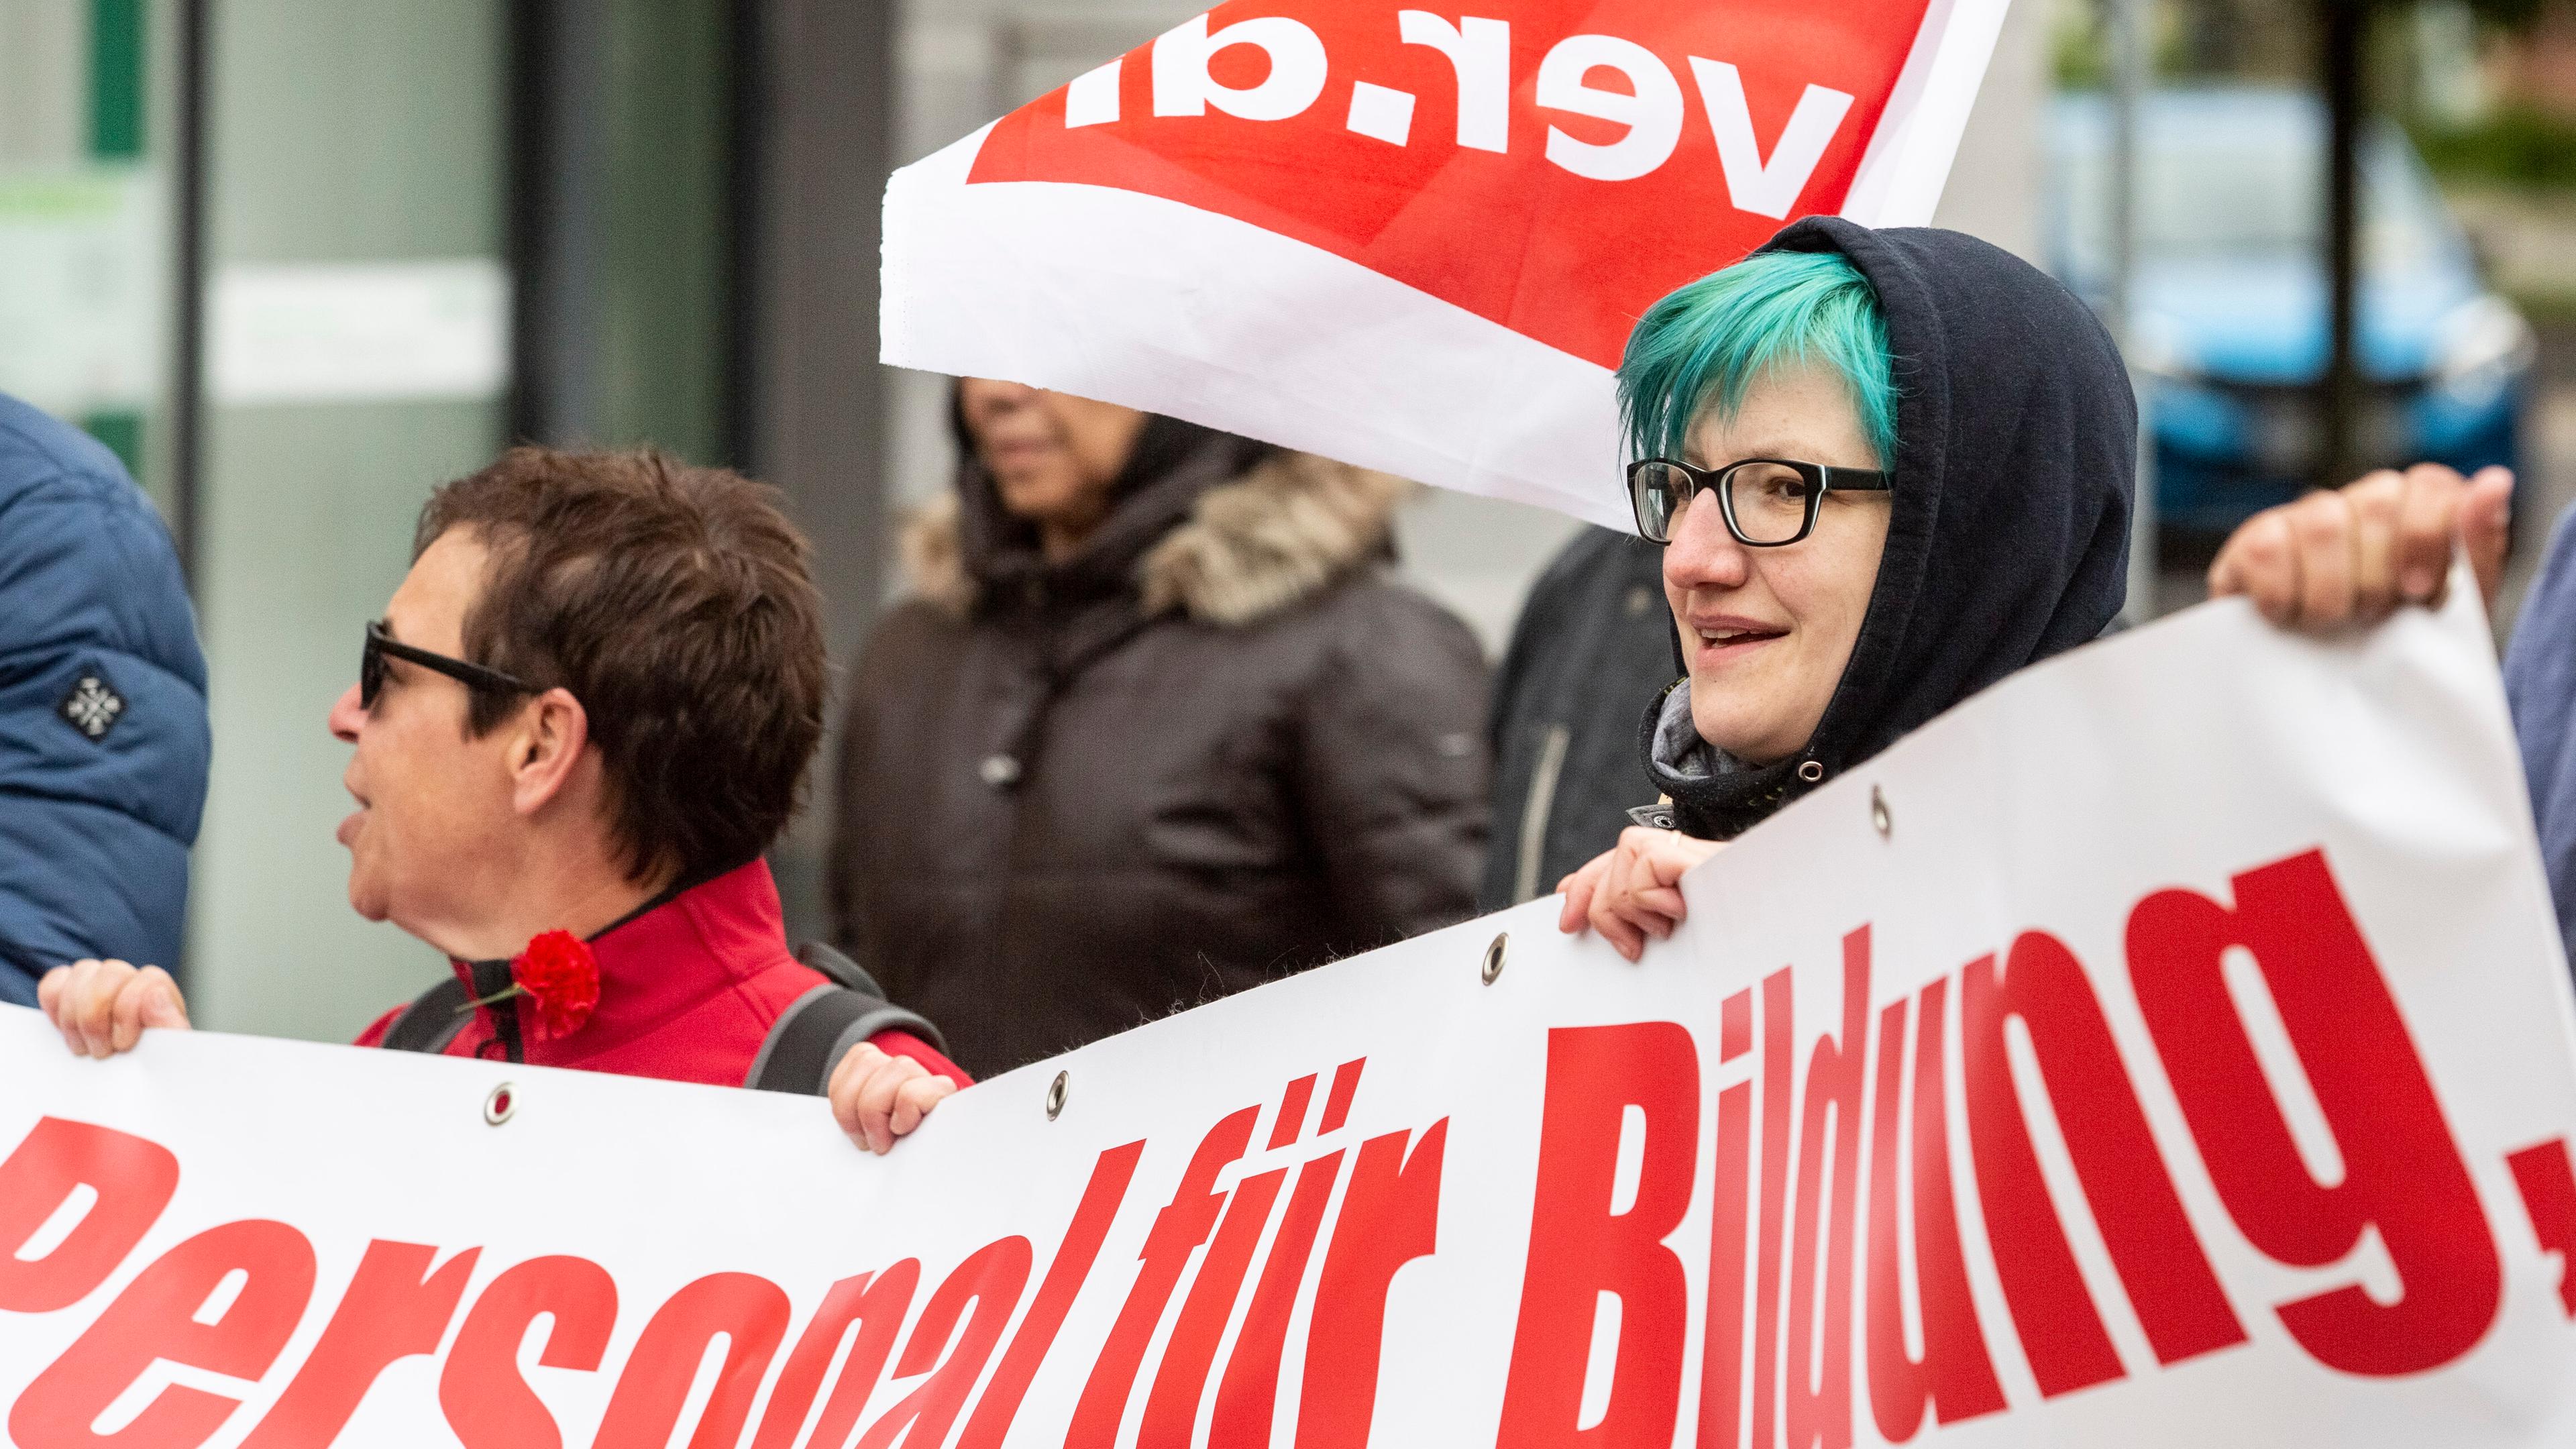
(2231,328)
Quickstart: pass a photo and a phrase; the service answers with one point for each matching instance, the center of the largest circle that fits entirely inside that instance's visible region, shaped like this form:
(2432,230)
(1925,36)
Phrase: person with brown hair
(587,711)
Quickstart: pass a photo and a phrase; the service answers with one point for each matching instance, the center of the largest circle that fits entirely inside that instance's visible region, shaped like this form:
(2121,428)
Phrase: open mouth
(1731,639)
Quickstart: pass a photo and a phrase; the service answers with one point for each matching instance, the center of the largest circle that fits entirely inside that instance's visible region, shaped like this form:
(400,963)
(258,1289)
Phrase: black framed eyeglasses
(381,645)
(1766,502)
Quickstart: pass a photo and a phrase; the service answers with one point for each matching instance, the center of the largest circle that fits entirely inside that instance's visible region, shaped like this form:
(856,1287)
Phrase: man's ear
(547,744)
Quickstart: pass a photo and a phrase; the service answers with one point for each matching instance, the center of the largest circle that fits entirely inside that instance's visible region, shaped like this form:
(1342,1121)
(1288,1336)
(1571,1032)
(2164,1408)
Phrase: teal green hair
(1708,341)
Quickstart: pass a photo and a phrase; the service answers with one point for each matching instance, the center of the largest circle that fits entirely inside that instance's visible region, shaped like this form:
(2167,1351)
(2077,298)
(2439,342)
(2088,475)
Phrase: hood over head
(1221,528)
(1172,463)
(2016,459)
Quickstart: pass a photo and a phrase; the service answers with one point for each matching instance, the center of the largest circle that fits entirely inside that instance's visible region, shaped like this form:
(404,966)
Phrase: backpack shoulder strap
(818,1028)
(844,972)
(431,1021)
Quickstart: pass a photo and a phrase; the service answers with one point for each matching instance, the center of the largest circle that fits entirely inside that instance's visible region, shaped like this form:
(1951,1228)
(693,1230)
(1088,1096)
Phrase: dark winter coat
(1213,748)
(2016,456)
(1594,642)
(103,738)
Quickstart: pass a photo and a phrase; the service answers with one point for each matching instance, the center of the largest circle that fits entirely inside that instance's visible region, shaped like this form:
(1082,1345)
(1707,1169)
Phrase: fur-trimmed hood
(1246,548)
(1237,751)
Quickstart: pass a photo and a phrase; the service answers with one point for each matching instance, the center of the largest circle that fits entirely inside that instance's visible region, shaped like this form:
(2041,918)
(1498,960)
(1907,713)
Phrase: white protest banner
(1410,239)
(2169,1047)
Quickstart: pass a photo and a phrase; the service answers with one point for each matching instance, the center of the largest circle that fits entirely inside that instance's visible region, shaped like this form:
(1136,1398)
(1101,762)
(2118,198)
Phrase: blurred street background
(299,260)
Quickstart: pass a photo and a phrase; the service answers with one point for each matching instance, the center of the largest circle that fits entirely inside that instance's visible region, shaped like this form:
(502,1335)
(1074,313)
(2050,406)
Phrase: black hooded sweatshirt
(2016,458)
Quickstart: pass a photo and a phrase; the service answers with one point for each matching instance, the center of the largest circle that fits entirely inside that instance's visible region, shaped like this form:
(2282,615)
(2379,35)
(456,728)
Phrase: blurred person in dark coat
(1592,645)
(1153,728)
(103,737)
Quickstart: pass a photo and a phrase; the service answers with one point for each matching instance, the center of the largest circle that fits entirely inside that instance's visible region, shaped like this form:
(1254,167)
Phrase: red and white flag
(1413,240)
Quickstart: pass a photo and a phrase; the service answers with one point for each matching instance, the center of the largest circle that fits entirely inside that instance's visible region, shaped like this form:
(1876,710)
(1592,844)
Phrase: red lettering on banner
(1177,1232)
(1735,1026)
(1818,1401)
(875,1304)
(1248,1397)
(1955,1376)
(1346,1085)
(1092,1216)
(1721,1374)
(1390,1216)
(1791,1255)
(1292,1112)
(487,1403)
(133,1179)
(1172,1410)
(158,1316)
(751,1312)
(1779,1068)
(1344,142)
(2549,1197)
(989,1281)
(2151,1242)
(1579,1248)
(394,1308)
(2402,1171)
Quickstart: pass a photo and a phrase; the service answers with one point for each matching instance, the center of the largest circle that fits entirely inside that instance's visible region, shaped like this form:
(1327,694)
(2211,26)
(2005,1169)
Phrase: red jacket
(687,992)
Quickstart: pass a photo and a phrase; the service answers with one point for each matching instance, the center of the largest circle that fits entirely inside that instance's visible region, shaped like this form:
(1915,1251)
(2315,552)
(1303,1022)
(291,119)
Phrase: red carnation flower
(561,977)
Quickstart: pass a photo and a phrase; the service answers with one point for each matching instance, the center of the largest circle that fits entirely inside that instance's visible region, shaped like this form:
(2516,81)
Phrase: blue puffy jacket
(103,738)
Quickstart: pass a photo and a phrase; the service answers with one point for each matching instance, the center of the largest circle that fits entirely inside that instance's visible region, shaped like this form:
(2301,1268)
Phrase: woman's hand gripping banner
(1413,240)
(2170,1046)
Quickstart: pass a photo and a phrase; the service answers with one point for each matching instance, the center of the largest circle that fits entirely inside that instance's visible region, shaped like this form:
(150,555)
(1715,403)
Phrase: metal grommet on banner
(1056,1091)
(499,1103)
(1811,770)
(1494,957)
(1883,822)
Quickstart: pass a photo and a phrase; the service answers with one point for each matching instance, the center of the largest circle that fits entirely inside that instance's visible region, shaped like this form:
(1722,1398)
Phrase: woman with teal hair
(1888,468)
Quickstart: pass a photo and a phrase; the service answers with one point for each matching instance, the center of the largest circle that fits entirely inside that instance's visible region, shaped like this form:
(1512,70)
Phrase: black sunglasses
(1766,502)
(371,667)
